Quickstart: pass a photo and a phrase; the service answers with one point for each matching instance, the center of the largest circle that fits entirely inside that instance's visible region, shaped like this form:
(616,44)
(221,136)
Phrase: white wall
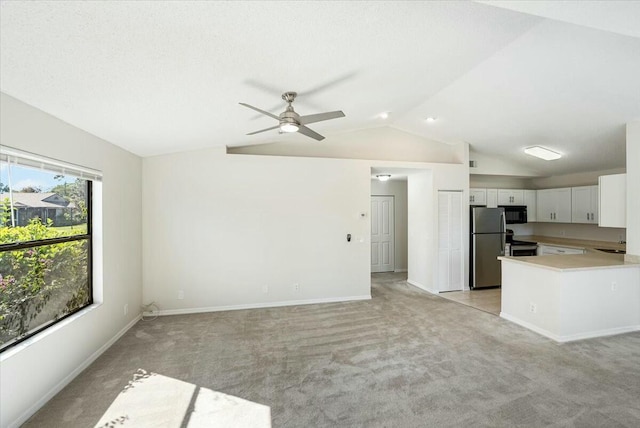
(397,189)
(633,191)
(236,231)
(498,182)
(422,211)
(383,143)
(493,165)
(225,228)
(421,237)
(35,370)
(571,180)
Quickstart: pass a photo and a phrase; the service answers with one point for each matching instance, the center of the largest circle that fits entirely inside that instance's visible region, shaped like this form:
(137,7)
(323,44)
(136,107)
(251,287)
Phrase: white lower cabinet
(545,249)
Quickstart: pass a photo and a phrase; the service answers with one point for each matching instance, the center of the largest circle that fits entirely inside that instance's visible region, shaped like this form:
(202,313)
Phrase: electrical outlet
(614,286)
(296,287)
(533,308)
(180,294)
(265,288)
(126,308)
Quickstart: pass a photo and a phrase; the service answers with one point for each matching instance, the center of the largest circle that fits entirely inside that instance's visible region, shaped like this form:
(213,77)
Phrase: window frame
(88,236)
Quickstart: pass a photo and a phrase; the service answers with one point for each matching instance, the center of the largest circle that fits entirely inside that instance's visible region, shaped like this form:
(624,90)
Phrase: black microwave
(515,214)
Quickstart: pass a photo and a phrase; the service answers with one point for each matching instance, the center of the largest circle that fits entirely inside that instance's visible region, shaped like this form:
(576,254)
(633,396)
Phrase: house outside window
(45,243)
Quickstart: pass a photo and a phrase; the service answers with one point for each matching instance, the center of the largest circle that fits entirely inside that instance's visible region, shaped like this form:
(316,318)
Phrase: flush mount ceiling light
(383,177)
(542,153)
(431,119)
(384,115)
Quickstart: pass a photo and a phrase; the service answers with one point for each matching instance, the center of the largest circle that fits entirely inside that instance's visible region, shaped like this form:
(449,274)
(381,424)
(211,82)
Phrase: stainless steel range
(517,248)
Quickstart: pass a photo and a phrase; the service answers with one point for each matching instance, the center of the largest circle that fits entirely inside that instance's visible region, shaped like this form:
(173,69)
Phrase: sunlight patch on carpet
(153,400)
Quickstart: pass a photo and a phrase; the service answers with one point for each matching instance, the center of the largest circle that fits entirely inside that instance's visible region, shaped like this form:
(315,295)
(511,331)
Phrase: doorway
(382,234)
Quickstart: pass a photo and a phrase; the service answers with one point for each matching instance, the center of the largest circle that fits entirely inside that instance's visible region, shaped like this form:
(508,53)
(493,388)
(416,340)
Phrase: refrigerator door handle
(503,228)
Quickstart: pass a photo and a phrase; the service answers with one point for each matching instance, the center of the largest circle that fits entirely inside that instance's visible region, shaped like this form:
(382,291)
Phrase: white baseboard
(260,305)
(399,270)
(67,379)
(421,286)
(570,337)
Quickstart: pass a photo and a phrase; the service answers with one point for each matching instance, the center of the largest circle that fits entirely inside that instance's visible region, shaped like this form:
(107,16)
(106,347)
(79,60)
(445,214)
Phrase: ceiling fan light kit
(290,121)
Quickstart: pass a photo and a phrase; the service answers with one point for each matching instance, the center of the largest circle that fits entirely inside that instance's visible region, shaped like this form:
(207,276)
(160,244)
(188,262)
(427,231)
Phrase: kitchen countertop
(572,243)
(591,259)
(573,262)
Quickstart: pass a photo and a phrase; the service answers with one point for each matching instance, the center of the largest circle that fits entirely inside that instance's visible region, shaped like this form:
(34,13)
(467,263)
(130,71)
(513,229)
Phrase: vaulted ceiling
(162,77)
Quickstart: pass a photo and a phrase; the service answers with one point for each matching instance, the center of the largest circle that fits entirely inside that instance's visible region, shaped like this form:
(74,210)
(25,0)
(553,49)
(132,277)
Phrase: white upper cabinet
(613,200)
(554,205)
(492,198)
(510,197)
(584,204)
(530,199)
(478,196)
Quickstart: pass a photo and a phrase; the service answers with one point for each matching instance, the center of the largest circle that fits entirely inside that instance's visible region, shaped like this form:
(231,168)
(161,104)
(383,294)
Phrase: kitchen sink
(610,250)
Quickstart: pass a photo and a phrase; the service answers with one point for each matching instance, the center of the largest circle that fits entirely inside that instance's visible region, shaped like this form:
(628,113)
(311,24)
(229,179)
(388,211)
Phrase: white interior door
(382,236)
(450,244)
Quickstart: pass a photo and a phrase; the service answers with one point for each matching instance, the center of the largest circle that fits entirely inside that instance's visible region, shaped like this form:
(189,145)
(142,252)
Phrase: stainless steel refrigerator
(487,243)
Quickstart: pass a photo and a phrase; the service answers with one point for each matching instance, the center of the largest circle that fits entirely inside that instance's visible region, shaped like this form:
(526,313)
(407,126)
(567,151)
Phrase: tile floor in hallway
(488,300)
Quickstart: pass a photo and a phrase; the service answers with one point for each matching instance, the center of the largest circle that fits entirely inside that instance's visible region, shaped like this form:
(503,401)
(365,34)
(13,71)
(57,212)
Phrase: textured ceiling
(161,77)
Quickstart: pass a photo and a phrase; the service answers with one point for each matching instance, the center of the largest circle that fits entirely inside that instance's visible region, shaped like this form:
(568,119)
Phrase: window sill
(9,353)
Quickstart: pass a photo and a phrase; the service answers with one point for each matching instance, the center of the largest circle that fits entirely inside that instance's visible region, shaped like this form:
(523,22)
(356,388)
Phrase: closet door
(450,241)
(382,234)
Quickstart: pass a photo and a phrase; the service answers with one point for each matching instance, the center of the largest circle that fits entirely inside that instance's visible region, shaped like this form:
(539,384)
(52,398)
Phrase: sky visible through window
(22,177)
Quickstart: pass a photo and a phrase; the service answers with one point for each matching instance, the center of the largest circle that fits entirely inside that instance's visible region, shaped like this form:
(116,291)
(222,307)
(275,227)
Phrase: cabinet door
(492,198)
(530,201)
(594,204)
(581,204)
(478,196)
(613,200)
(517,197)
(504,197)
(563,205)
(545,207)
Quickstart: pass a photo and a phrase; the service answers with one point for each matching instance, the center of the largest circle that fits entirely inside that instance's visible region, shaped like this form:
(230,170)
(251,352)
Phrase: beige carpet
(403,359)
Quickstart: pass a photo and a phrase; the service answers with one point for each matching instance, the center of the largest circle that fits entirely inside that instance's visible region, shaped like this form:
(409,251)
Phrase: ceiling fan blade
(266,113)
(263,130)
(310,133)
(328,84)
(313,118)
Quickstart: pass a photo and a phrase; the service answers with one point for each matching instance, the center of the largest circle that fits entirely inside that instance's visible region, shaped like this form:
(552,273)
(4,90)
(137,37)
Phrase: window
(45,243)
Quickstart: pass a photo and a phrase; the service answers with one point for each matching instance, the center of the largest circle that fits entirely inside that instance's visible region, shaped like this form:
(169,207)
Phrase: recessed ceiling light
(431,119)
(383,177)
(542,153)
(384,115)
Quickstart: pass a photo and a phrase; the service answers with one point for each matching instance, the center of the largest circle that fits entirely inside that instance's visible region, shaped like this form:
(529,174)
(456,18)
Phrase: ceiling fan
(290,121)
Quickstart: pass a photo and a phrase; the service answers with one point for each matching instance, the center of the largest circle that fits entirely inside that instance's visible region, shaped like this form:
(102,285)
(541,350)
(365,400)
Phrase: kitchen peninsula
(572,297)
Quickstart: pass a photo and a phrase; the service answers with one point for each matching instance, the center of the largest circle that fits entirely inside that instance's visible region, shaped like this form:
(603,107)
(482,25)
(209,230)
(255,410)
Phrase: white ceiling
(162,77)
